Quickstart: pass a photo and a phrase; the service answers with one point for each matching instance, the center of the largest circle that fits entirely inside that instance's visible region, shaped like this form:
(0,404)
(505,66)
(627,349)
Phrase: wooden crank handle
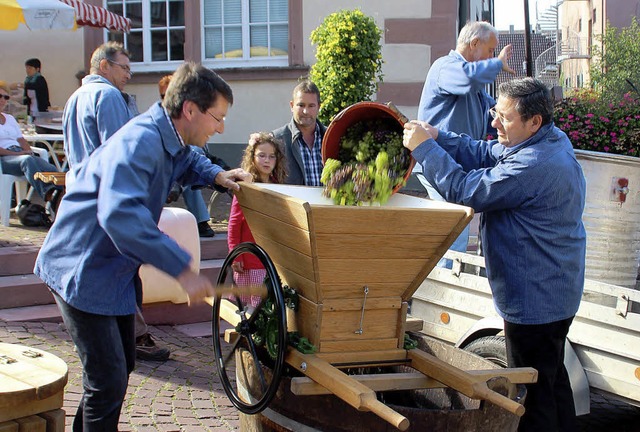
(482,391)
(386,413)
(253,290)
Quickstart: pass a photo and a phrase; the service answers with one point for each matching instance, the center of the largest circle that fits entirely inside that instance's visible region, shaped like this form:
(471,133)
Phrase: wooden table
(31,381)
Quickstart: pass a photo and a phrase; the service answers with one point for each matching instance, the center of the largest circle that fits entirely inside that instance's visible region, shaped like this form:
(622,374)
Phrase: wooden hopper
(331,254)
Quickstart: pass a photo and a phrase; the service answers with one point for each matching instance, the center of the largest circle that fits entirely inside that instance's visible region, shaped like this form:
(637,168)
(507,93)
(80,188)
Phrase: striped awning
(95,16)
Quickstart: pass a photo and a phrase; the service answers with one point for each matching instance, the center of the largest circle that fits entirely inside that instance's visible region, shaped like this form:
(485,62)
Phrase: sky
(512,12)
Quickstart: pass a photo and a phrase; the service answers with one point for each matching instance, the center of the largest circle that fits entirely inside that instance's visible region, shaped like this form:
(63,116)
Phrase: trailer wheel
(492,348)
(241,353)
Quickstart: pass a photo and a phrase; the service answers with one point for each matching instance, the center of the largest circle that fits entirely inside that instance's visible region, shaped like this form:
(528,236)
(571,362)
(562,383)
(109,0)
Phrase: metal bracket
(5,359)
(623,306)
(364,302)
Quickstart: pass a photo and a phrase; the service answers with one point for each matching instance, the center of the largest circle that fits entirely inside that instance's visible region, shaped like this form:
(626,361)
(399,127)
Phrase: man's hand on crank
(196,286)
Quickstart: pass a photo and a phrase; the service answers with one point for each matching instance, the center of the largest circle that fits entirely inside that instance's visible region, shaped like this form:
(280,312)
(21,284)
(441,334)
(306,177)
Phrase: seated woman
(16,155)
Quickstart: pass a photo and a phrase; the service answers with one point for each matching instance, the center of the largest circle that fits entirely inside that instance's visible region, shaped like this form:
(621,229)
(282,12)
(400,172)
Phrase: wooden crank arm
(469,385)
(345,387)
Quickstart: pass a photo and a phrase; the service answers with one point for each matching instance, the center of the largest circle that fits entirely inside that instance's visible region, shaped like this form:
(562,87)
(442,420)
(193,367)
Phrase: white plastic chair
(6,187)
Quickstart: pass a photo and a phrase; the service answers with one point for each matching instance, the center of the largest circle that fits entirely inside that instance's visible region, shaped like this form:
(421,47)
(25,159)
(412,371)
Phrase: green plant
(592,124)
(348,61)
(616,60)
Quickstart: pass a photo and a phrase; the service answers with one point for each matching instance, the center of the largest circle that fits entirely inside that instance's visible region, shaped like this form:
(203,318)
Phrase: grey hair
(532,97)
(476,29)
(107,51)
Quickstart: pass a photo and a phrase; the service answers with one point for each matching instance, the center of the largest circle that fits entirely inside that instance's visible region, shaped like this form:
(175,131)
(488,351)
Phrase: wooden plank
(32,423)
(9,426)
(371,357)
(380,245)
(309,319)
(303,286)
(55,420)
(413,324)
(376,324)
(365,271)
(331,346)
(284,208)
(263,225)
(303,386)
(336,305)
(401,324)
(396,220)
(33,407)
(354,290)
(291,259)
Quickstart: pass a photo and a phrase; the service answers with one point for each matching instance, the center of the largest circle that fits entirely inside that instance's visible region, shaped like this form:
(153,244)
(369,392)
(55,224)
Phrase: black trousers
(549,402)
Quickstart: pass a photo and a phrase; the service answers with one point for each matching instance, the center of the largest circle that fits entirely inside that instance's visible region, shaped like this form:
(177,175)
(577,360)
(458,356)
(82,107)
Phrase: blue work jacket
(531,197)
(93,113)
(107,224)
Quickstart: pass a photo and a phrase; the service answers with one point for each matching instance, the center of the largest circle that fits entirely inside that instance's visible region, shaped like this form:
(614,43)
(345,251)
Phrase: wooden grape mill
(354,269)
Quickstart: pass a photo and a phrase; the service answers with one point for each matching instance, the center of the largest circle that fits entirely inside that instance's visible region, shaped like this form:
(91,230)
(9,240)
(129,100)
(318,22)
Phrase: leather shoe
(204,230)
(146,349)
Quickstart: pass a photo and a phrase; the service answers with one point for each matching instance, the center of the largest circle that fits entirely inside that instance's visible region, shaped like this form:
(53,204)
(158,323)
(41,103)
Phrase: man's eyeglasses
(495,115)
(216,118)
(6,97)
(126,68)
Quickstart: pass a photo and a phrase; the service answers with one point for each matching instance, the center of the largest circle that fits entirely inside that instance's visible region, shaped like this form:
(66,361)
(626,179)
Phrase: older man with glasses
(93,113)
(531,191)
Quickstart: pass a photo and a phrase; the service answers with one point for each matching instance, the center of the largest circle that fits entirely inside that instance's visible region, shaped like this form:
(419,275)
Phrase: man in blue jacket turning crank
(107,226)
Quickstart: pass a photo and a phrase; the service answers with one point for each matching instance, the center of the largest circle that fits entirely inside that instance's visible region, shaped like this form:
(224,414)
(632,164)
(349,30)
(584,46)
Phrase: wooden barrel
(429,409)
(31,381)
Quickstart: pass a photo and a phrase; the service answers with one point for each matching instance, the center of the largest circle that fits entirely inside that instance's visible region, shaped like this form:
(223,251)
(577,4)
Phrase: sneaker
(204,230)
(146,349)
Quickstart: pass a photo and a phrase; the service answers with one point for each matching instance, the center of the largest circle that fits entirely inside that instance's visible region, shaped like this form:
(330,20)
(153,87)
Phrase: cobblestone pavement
(182,394)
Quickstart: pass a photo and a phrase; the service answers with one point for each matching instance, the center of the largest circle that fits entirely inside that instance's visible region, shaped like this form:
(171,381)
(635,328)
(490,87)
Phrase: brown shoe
(146,349)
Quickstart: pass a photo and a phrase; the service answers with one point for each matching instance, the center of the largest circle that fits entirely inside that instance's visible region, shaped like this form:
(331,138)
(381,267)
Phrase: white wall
(61,54)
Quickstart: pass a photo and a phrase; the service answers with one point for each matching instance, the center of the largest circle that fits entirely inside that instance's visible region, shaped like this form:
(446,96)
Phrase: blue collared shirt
(312,159)
(531,197)
(454,97)
(107,223)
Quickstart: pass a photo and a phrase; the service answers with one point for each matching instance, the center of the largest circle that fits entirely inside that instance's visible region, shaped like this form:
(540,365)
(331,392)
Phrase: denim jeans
(26,165)
(193,198)
(460,244)
(106,347)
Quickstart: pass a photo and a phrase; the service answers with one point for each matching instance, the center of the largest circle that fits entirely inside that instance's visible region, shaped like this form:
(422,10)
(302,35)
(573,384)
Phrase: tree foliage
(348,64)
(615,60)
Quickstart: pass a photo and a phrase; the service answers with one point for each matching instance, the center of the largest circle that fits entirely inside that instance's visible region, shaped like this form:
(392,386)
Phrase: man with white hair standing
(454,96)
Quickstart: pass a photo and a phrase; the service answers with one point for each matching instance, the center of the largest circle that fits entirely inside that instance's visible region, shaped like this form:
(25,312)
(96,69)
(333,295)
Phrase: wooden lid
(28,374)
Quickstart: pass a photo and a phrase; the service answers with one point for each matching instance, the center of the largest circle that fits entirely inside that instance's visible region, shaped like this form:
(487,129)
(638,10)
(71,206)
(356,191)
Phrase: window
(595,15)
(157,30)
(245,33)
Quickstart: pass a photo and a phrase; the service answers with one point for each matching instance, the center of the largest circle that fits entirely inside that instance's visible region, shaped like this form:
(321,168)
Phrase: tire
(492,348)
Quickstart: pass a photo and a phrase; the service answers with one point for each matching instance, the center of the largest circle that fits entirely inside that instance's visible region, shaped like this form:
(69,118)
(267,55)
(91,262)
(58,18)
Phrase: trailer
(603,353)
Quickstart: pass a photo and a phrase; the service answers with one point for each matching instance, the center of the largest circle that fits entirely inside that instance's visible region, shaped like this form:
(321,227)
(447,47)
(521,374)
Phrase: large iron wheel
(243,364)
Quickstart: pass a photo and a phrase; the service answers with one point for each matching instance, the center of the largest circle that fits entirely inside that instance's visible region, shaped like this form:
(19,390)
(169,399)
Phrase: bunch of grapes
(371,163)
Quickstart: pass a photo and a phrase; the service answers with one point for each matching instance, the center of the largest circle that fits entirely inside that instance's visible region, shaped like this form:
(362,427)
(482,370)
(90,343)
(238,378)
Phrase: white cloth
(9,132)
